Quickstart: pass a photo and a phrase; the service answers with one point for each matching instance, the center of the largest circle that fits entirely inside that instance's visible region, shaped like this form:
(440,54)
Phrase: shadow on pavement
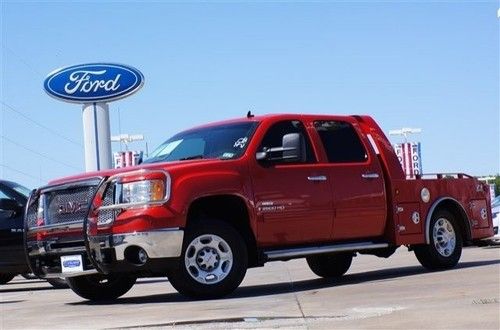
(34,281)
(11,302)
(27,289)
(289,287)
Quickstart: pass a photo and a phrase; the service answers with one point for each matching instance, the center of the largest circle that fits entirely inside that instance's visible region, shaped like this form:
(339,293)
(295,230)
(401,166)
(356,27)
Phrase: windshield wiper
(192,157)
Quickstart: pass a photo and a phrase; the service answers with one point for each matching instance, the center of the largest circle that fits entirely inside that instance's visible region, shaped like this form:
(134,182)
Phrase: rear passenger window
(341,142)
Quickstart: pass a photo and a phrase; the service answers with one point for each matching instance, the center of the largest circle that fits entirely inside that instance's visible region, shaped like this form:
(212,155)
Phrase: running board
(307,251)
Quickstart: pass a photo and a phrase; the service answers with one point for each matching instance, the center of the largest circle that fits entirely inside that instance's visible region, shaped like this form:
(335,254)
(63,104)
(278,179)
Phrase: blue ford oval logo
(71,263)
(94,82)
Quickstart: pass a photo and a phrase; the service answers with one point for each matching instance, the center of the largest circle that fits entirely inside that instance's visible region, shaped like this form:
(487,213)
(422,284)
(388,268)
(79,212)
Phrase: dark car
(13,199)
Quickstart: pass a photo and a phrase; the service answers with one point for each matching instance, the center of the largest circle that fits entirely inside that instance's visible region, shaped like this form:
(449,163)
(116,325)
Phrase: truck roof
(258,118)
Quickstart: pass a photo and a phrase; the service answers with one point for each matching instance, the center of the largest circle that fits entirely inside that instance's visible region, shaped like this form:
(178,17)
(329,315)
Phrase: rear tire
(6,278)
(445,246)
(58,283)
(213,262)
(330,265)
(101,287)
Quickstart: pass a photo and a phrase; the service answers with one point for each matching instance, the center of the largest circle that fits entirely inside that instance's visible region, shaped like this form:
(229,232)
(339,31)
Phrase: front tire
(445,246)
(6,278)
(213,262)
(330,265)
(101,287)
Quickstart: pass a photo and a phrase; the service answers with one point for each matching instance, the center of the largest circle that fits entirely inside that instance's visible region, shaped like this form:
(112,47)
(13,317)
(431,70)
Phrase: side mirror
(10,206)
(292,149)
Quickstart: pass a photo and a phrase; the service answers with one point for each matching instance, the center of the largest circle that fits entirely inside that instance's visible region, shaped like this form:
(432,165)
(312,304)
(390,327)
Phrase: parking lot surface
(376,293)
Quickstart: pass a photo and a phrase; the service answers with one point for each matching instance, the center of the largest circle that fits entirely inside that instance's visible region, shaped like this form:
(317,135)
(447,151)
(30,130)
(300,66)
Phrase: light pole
(127,138)
(127,158)
(405,131)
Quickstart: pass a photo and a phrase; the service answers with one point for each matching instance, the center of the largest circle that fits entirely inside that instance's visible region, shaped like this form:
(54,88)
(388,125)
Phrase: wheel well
(228,208)
(459,214)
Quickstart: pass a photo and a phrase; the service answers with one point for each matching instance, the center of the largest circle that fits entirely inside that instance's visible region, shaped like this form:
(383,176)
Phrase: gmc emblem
(71,207)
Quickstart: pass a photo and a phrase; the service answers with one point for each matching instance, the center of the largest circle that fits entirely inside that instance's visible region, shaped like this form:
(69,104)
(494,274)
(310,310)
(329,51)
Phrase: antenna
(250,114)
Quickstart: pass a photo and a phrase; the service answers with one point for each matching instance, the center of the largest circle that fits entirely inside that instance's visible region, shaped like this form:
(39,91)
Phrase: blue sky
(427,64)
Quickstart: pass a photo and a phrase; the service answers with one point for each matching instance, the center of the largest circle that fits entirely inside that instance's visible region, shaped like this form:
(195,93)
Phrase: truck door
(356,179)
(293,199)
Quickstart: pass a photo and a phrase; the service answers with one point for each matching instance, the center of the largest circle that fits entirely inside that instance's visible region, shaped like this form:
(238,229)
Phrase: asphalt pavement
(393,293)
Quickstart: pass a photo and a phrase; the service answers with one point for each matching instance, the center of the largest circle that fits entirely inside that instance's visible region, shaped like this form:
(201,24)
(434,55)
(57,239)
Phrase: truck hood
(166,166)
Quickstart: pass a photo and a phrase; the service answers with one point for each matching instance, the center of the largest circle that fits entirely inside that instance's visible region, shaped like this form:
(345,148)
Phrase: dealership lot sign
(94,82)
(94,85)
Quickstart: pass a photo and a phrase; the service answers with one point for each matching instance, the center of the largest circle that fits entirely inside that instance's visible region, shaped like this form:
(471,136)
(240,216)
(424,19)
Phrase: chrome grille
(107,216)
(68,205)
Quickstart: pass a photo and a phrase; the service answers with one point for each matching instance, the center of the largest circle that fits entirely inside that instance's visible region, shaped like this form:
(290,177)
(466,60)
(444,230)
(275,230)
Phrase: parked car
(13,199)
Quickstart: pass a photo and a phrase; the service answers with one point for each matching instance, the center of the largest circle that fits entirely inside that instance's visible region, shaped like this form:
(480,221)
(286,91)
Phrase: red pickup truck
(215,200)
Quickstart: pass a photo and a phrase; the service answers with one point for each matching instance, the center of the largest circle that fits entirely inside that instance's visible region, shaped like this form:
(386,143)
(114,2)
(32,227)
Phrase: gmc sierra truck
(215,200)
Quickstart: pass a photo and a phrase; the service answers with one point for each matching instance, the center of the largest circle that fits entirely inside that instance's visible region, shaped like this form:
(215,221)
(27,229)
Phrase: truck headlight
(142,191)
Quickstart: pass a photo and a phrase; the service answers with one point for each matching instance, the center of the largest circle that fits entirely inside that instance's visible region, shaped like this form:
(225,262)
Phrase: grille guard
(89,228)
(35,194)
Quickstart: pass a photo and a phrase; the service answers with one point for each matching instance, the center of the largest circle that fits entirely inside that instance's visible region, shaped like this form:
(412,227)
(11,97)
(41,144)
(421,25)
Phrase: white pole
(96,136)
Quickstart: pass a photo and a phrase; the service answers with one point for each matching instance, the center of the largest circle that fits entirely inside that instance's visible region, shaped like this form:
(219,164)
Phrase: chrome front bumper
(107,253)
(163,243)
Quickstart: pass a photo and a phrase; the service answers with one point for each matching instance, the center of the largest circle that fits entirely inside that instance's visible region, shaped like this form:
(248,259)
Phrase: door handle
(370,176)
(317,178)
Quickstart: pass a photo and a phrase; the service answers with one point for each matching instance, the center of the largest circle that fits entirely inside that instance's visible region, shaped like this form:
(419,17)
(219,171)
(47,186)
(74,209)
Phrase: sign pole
(96,134)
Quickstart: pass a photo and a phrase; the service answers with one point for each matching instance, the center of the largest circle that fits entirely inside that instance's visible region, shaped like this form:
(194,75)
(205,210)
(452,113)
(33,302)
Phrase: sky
(432,65)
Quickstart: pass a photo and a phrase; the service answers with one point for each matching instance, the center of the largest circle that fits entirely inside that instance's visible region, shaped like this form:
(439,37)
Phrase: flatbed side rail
(444,176)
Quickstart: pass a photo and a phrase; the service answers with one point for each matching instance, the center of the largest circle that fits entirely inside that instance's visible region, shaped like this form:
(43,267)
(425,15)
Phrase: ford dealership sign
(94,82)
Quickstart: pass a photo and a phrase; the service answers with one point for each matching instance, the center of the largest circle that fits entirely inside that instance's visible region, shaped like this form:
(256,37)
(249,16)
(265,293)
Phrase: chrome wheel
(444,237)
(208,259)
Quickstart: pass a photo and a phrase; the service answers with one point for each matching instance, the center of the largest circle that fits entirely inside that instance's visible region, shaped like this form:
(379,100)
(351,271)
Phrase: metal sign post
(96,136)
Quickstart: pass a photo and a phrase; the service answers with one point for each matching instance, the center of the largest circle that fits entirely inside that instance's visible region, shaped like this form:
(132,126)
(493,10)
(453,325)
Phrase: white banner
(409,156)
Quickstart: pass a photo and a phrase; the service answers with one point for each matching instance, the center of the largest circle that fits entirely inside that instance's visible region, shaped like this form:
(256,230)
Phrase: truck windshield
(223,142)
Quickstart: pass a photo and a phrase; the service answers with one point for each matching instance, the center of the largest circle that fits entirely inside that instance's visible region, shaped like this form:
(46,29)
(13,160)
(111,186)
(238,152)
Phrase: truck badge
(70,207)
